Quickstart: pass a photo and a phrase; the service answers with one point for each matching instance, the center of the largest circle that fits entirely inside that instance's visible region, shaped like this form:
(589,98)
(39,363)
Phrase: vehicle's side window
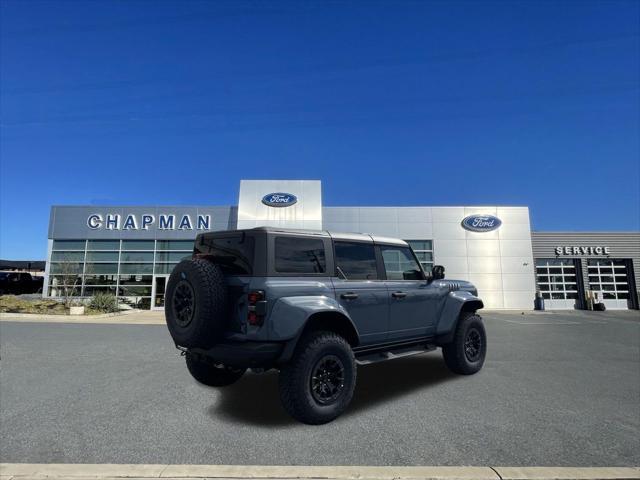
(400,264)
(299,255)
(357,261)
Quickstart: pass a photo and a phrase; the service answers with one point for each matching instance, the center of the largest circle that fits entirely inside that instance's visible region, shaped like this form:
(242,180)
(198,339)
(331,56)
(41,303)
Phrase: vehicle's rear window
(233,252)
(299,255)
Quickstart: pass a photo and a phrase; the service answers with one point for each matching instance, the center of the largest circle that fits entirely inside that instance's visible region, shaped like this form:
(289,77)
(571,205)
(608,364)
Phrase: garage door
(557,282)
(609,279)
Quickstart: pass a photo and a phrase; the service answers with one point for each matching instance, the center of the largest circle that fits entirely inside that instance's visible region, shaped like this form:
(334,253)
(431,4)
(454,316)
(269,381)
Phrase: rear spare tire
(196,303)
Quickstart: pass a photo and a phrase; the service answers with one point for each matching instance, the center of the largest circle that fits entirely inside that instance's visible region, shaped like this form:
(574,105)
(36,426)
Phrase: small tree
(67,274)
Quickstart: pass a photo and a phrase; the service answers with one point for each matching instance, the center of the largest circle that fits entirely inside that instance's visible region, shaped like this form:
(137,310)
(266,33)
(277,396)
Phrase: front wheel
(318,384)
(466,353)
(212,375)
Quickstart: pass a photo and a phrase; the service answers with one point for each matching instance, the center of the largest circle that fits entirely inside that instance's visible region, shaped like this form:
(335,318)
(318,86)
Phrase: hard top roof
(346,236)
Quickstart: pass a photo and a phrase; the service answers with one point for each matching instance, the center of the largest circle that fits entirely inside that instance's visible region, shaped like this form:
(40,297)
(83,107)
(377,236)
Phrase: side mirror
(437,272)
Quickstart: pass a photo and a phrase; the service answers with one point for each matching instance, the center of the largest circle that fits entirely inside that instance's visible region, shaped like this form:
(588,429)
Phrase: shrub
(104,302)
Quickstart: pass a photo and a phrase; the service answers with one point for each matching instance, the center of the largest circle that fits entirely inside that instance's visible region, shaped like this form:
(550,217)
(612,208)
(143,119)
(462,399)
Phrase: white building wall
(499,263)
(305,213)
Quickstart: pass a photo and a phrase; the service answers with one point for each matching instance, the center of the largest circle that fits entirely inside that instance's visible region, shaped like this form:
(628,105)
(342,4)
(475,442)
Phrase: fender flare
(294,314)
(456,302)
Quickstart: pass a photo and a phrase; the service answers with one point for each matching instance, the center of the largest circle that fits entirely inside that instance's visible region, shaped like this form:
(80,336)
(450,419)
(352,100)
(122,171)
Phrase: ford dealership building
(130,251)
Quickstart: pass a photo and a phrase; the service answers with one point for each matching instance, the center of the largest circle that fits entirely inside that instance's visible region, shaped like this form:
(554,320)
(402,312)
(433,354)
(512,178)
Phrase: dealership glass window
(608,277)
(299,255)
(136,279)
(164,268)
(138,244)
(556,278)
(142,303)
(90,291)
(102,256)
(67,256)
(69,245)
(134,291)
(66,268)
(113,264)
(171,256)
(186,245)
(357,261)
(103,245)
(59,283)
(424,252)
(136,268)
(400,264)
(100,279)
(136,257)
(100,268)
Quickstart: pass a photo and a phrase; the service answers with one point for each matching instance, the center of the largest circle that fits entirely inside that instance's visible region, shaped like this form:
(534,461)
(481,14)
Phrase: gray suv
(314,305)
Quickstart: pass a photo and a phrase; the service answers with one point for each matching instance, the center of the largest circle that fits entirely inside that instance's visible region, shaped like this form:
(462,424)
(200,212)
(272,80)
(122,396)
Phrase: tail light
(257,307)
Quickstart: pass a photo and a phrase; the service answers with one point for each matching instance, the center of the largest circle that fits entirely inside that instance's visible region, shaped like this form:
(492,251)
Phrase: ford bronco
(314,305)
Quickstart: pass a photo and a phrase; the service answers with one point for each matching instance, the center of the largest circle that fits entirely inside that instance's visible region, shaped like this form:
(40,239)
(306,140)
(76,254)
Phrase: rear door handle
(349,296)
(398,294)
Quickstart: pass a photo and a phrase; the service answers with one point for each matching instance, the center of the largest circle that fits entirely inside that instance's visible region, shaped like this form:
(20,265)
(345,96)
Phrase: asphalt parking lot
(557,389)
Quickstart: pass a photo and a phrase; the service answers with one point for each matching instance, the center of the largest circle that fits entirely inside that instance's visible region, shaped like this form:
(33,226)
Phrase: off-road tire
(295,382)
(212,375)
(470,328)
(204,323)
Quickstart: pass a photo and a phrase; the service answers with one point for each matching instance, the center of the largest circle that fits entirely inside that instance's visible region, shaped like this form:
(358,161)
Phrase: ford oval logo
(279,199)
(481,223)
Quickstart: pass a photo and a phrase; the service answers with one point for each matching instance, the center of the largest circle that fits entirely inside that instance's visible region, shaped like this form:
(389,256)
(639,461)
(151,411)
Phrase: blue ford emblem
(481,223)
(279,199)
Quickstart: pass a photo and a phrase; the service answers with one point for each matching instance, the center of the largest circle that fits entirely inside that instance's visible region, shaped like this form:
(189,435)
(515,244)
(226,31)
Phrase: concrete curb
(23,471)
(130,317)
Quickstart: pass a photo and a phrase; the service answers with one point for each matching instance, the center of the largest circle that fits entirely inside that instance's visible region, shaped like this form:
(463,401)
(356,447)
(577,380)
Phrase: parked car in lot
(314,305)
(18,283)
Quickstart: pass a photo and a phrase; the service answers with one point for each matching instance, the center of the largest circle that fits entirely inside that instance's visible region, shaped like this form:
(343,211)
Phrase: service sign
(279,199)
(583,250)
(481,223)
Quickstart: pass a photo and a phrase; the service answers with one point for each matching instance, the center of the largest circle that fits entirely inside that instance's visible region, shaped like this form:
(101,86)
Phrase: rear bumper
(243,354)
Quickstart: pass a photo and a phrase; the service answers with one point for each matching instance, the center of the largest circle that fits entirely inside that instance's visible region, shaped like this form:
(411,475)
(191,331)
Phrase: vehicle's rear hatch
(240,255)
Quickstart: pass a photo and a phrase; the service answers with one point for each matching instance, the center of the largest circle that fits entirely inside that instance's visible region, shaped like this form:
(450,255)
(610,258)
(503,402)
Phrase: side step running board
(369,358)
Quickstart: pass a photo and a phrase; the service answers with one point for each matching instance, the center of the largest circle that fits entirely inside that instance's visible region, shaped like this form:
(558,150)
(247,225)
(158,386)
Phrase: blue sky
(388,103)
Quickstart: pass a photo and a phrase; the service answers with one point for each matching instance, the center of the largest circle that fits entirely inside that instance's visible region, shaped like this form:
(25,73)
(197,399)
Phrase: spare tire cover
(196,303)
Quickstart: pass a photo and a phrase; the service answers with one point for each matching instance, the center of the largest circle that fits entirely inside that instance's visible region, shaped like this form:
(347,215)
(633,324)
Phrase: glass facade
(124,268)
(424,252)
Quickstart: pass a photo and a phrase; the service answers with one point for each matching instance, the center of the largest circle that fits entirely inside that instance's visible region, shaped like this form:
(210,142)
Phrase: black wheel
(318,384)
(212,375)
(196,303)
(466,353)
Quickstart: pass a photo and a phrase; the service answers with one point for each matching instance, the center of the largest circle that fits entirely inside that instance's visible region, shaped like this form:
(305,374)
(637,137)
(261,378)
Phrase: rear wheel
(466,353)
(212,375)
(318,384)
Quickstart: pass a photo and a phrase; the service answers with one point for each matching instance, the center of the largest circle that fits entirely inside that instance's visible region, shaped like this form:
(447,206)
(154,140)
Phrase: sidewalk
(127,317)
(17,471)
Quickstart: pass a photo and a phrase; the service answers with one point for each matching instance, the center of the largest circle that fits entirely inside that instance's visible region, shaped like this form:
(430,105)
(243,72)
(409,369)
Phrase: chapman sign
(577,250)
(145,222)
